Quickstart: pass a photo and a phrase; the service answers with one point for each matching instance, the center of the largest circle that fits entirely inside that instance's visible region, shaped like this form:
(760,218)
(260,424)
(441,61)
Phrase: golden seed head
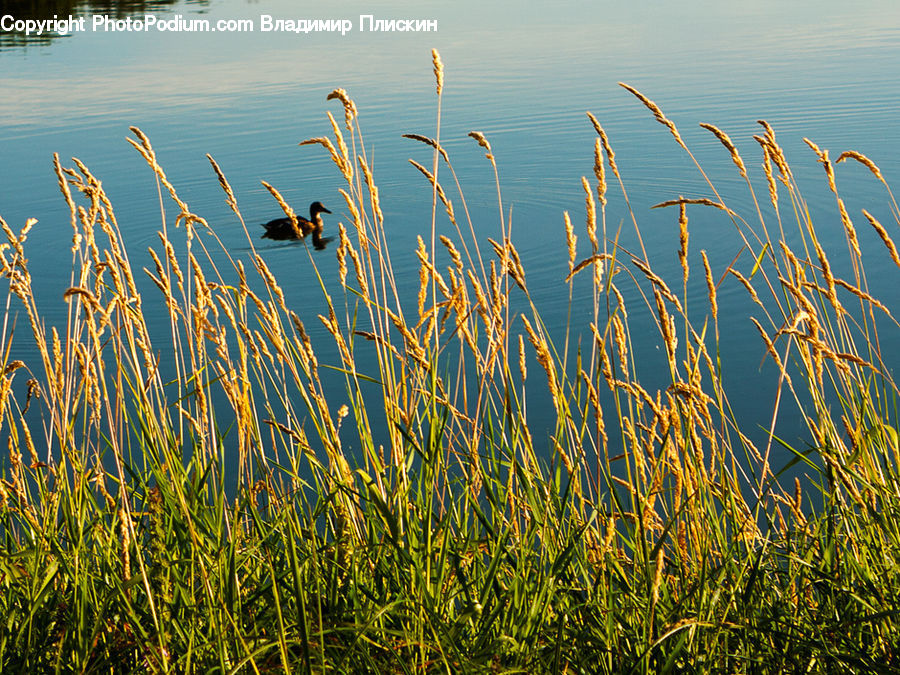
(710,285)
(862,159)
(545,359)
(522,368)
(726,141)
(483,142)
(345,164)
(373,189)
(702,201)
(454,253)
(848,226)
(437,186)
(658,282)
(746,284)
(823,159)
(662,119)
(429,141)
(571,240)
(438,70)
(607,148)
(621,343)
(346,167)
(350,112)
(767,168)
(591,209)
(226,186)
(599,173)
(882,232)
(343,245)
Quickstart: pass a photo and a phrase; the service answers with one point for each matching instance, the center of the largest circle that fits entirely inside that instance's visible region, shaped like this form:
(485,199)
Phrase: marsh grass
(412,520)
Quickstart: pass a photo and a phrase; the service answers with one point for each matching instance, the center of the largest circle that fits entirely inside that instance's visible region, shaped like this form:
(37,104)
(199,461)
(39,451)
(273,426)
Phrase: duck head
(316,208)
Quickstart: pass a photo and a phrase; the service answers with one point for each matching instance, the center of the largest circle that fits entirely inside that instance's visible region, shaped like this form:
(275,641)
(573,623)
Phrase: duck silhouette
(282,229)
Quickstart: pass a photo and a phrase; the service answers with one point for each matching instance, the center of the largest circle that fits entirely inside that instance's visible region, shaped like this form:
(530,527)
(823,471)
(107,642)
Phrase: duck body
(282,229)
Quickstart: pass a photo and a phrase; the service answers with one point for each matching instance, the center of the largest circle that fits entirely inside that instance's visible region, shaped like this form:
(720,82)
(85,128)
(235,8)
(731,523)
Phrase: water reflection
(47,9)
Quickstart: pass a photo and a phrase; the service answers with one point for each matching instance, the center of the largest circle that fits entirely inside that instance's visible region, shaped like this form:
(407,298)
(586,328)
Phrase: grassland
(410,521)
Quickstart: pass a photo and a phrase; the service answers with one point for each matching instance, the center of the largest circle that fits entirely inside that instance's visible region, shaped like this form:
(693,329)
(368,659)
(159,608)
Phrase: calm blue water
(524,74)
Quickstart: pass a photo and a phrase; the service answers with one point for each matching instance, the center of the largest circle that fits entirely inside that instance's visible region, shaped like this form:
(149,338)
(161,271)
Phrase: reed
(403,514)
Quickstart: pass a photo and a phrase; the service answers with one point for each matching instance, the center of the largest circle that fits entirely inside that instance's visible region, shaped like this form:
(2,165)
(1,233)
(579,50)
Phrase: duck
(283,229)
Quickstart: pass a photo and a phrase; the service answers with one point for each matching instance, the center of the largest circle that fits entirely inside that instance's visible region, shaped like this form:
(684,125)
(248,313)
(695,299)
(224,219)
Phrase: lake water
(522,73)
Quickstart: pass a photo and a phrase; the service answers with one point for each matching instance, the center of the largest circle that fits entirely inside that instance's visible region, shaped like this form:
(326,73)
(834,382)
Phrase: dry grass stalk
(823,159)
(683,240)
(746,284)
(448,206)
(662,119)
(885,237)
(848,227)
(350,112)
(726,141)
(345,167)
(424,276)
(357,220)
(862,159)
(483,142)
(373,190)
(288,211)
(269,280)
(607,148)
(332,326)
(862,295)
(621,344)
(413,347)
(596,259)
(546,360)
(509,258)
(599,173)
(767,170)
(454,253)
(702,201)
(358,269)
(591,210)
(827,274)
(667,327)
(776,152)
(571,241)
(523,370)
(343,245)
(226,186)
(594,398)
(429,141)
(598,274)
(67,195)
(425,262)
(657,281)
(438,70)
(482,307)
(146,151)
(770,347)
(620,301)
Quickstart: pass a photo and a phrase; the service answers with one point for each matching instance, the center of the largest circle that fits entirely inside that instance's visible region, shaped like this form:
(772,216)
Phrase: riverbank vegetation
(215,507)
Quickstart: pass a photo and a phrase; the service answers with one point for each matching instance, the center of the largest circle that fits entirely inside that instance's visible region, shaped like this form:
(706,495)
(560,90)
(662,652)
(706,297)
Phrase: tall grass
(412,520)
